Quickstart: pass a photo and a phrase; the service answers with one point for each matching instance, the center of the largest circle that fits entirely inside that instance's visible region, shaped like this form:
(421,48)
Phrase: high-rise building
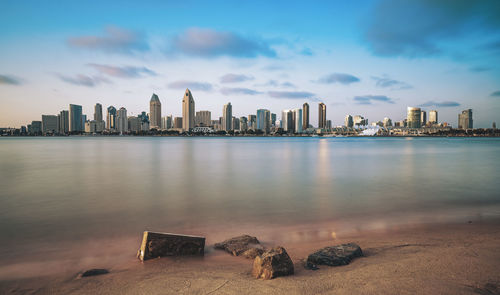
(359,120)
(187,111)
(203,118)
(465,119)
(167,122)
(297,120)
(243,124)
(134,124)
(348,122)
(413,117)
(63,123)
(387,122)
(227,117)
(263,120)
(494,125)
(252,122)
(122,120)
(287,121)
(273,119)
(321,115)
(423,118)
(305,115)
(75,118)
(36,127)
(84,120)
(328,124)
(433,117)
(49,124)
(178,123)
(154,112)
(235,123)
(111,119)
(98,112)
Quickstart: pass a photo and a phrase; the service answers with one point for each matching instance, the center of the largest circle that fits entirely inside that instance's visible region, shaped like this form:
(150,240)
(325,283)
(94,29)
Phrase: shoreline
(446,258)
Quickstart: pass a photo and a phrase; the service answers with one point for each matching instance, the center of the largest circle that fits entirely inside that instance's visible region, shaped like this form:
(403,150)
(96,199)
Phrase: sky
(371,58)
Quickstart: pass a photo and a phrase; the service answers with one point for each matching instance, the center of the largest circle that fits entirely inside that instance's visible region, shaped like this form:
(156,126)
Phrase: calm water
(61,191)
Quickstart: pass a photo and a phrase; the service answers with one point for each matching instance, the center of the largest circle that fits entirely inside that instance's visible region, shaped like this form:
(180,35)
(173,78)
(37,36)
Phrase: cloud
(479,69)
(441,104)
(9,80)
(83,80)
(245,91)
(496,93)
(307,51)
(115,40)
(234,78)
(123,72)
(275,83)
(386,82)
(192,85)
(369,99)
(338,78)
(416,28)
(292,94)
(210,43)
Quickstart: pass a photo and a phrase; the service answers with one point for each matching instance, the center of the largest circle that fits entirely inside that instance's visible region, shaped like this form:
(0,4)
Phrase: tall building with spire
(321,115)
(187,111)
(227,116)
(154,112)
(305,115)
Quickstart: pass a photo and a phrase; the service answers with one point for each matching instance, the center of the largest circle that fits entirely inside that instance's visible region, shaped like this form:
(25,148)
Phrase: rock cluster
(272,263)
(334,255)
(245,245)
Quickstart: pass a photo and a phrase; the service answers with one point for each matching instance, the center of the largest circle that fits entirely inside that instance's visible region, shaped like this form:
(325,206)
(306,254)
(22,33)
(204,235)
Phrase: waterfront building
(134,124)
(227,117)
(167,122)
(84,119)
(155,112)
(203,118)
(252,122)
(494,125)
(387,122)
(243,124)
(413,117)
(273,119)
(235,123)
(433,117)
(321,115)
(98,112)
(359,120)
(36,127)
(465,119)
(178,123)
(263,120)
(63,123)
(287,121)
(122,120)
(187,111)
(328,124)
(297,120)
(348,122)
(75,118)
(91,126)
(49,124)
(305,115)
(111,119)
(423,118)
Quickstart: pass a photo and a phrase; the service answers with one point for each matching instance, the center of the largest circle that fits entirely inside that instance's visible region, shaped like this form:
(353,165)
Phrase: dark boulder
(94,272)
(272,263)
(334,255)
(245,245)
(156,245)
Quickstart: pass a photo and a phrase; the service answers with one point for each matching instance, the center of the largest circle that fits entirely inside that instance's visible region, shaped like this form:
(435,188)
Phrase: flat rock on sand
(245,245)
(334,255)
(272,263)
(94,272)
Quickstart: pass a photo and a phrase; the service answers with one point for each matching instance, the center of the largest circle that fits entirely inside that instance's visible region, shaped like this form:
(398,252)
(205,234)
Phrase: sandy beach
(459,258)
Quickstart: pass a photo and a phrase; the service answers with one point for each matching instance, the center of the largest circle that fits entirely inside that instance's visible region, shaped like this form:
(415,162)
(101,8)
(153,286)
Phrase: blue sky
(372,58)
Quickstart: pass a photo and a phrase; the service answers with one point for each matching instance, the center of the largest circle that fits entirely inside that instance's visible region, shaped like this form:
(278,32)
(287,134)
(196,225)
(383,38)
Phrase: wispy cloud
(292,94)
(211,43)
(83,80)
(479,69)
(234,78)
(307,51)
(9,80)
(123,72)
(338,78)
(386,82)
(369,99)
(496,93)
(114,40)
(192,85)
(275,83)
(441,104)
(244,91)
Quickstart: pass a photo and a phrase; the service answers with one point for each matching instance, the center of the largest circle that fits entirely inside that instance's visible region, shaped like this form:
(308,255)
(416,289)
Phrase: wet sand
(460,258)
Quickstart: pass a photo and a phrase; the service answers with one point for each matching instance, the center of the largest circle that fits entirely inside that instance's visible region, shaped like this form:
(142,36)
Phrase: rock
(334,255)
(245,245)
(94,272)
(272,263)
(165,244)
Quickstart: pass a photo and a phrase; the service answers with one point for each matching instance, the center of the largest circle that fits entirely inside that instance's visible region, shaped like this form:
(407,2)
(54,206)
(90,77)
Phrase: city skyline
(338,57)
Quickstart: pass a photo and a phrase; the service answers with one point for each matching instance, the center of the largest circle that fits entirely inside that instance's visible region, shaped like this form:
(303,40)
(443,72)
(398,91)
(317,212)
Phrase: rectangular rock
(156,245)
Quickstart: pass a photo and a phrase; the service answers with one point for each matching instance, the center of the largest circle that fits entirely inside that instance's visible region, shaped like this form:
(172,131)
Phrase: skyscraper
(98,112)
(167,122)
(321,115)
(433,117)
(413,117)
(348,122)
(154,112)
(187,111)
(305,115)
(227,117)
(465,119)
(111,120)
(273,119)
(63,122)
(203,118)
(297,120)
(287,121)
(49,124)
(243,124)
(263,120)
(75,118)
(387,122)
(252,122)
(122,120)
(423,118)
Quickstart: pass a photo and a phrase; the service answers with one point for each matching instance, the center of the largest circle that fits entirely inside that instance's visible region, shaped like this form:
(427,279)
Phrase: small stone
(272,263)
(245,245)
(94,272)
(333,256)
